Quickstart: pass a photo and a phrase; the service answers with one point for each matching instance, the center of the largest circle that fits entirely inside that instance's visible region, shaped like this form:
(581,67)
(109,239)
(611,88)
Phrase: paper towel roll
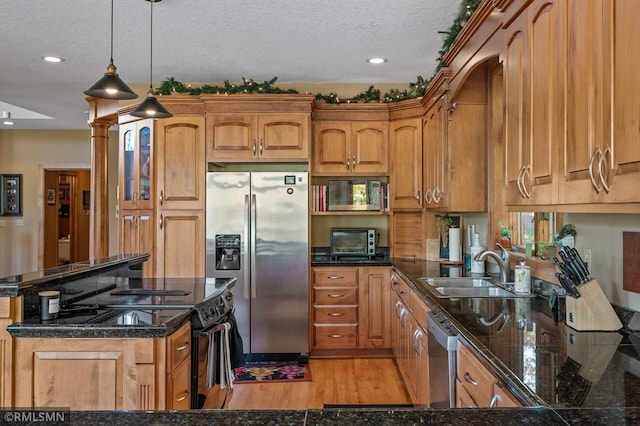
(454,244)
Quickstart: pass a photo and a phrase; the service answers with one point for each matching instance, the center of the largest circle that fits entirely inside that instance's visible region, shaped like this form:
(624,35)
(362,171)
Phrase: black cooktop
(157,293)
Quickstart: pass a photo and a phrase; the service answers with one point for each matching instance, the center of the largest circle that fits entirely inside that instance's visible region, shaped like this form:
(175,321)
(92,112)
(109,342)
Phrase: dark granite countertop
(387,417)
(11,286)
(536,355)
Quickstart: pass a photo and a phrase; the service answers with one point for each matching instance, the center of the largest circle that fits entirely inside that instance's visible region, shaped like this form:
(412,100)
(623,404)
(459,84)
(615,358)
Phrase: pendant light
(110,86)
(151,108)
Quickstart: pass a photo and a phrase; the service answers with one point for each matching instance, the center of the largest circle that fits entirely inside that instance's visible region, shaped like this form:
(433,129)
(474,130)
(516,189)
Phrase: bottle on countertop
(477,266)
(522,282)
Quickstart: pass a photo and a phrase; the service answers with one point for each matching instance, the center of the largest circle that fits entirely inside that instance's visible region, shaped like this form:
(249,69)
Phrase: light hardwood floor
(333,381)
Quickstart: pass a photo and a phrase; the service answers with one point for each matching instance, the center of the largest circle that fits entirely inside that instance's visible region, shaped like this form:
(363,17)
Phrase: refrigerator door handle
(253,246)
(246,247)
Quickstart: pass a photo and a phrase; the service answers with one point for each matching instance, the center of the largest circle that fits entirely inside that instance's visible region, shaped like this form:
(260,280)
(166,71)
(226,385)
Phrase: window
(533,227)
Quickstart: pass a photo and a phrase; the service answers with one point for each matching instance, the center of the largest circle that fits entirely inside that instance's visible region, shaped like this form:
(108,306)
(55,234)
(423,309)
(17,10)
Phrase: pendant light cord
(151,50)
(111,31)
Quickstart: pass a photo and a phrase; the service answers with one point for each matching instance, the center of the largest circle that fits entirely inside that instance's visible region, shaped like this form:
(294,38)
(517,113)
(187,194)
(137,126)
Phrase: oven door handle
(206,332)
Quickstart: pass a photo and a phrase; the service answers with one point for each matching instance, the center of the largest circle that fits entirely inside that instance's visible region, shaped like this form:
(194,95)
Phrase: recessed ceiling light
(54,59)
(8,123)
(376,61)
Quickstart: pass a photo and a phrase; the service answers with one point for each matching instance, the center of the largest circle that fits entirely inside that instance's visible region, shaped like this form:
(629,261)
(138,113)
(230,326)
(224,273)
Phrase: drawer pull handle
(402,293)
(336,336)
(183,397)
(336,314)
(336,296)
(335,277)
(183,347)
(468,379)
(494,401)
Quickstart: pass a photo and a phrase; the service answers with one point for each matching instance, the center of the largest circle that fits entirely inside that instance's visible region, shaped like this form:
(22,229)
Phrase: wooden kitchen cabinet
(135,183)
(434,141)
(180,244)
(137,235)
(351,308)
(181,168)
(405,140)
(335,307)
(343,148)
(374,300)
(409,339)
(163,213)
(533,121)
(476,386)
(602,147)
(179,369)
(250,137)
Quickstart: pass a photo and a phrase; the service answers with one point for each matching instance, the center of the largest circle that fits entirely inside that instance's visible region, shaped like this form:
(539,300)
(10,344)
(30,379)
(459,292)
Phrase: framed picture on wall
(51,196)
(11,195)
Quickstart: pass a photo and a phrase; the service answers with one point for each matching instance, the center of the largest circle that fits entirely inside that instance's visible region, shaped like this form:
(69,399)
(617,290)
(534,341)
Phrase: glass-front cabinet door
(136,165)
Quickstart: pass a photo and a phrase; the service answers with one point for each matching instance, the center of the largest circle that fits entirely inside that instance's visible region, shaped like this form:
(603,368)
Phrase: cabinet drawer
(336,295)
(335,276)
(335,314)
(401,288)
(336,336)
(474,377)
(178,387)
(178,347)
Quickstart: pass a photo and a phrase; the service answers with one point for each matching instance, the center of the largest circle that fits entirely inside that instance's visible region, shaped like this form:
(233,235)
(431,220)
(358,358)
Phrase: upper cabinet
(406,163)
(254,128)
(533,104)
(602,146)
(241,137)
(455,149)
(343,148)
(135,184)
(571,129)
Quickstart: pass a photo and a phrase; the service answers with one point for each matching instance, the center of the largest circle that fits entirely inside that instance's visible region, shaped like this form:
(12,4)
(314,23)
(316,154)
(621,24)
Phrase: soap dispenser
(477,266)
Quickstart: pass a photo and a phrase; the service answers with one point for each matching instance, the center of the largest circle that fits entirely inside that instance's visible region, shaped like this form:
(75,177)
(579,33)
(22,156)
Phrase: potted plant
(505,236)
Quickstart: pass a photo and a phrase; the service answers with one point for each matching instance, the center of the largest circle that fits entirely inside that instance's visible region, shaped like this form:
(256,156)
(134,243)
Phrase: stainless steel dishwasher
(442,340)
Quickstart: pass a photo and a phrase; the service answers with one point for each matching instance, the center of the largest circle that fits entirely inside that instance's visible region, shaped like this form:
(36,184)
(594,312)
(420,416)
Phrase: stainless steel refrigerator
(257,231)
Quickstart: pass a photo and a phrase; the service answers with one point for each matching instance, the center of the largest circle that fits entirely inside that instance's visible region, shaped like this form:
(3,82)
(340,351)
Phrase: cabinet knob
(353,163)
(161,197)
(347,163)
(161,221)
(254,147)
(260,146)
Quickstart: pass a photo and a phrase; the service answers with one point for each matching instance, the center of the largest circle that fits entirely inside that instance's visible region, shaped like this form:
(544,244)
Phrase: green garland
(416,90)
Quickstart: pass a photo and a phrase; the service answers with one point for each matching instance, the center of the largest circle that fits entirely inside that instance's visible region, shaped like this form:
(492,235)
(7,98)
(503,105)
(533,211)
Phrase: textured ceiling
(208,41)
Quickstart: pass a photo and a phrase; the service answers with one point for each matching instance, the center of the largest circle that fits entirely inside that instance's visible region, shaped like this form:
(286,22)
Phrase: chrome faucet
(503,260)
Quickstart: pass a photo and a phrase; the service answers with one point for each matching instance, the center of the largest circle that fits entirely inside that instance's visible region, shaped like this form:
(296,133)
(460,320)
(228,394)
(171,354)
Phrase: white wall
(603,234)
(24,152)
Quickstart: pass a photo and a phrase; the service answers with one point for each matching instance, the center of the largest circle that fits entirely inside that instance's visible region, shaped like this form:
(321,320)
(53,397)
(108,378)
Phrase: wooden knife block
(592,311)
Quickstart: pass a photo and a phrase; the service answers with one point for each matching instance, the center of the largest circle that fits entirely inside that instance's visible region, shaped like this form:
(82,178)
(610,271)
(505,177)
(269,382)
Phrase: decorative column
(99,211)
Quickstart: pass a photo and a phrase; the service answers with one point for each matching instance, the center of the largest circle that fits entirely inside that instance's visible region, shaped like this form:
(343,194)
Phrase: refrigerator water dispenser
(228,252)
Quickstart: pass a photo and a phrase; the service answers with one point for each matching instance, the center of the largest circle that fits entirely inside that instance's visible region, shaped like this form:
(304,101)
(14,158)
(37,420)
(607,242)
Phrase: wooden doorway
(65,216)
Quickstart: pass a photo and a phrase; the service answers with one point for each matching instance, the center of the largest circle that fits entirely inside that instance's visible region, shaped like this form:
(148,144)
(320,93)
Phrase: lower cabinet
(409,339)
(350,308)
(476,386)
(103,374)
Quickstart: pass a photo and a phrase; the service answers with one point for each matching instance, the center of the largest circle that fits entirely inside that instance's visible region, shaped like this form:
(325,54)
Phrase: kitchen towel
(454,244)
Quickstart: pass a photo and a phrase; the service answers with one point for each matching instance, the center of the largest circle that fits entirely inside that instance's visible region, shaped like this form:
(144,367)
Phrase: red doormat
(272,373)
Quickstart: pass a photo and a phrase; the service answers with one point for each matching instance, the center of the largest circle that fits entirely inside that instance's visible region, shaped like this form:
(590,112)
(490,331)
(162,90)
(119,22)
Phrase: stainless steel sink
(459,282)
(450,292)
(454,287)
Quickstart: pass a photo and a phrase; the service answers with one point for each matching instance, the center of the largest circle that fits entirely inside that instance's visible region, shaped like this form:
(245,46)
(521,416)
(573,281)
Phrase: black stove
(210,299)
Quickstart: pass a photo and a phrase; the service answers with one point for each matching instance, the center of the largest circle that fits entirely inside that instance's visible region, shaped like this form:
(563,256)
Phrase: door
(228,213)
(279,276)
(406,160)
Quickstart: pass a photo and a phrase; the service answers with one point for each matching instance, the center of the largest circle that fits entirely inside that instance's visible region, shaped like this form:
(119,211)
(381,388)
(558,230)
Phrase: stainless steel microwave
(353,242)
(354,195)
